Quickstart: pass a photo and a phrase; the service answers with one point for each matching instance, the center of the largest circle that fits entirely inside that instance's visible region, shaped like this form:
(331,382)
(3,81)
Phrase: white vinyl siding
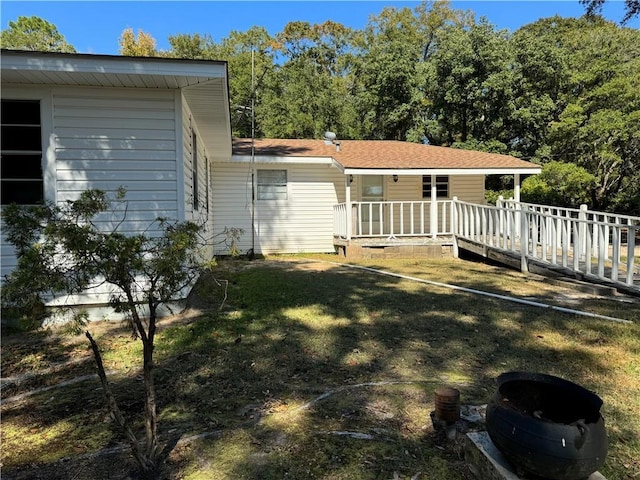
(107,138)
(194,195)
(301,223)
(197,181)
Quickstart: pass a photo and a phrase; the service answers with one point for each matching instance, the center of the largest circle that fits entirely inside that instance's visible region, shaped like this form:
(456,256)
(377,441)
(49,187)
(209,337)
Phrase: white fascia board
(282,160)
(30,61)
(441,171)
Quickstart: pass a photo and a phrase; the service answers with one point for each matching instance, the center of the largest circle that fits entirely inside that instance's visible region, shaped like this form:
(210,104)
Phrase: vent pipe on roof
(329,137)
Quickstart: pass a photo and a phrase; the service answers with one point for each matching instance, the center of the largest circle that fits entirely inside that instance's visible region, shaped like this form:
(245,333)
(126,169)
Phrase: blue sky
(94,27)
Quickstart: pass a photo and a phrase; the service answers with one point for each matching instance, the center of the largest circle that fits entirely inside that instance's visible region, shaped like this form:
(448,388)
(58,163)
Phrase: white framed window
(21,157)
(442,186)
(271,185)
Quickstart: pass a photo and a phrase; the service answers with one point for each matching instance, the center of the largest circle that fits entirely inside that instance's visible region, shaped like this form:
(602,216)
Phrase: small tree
(61,249)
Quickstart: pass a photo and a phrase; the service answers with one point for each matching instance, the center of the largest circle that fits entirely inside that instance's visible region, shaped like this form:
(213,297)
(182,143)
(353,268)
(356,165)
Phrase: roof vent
(329,137)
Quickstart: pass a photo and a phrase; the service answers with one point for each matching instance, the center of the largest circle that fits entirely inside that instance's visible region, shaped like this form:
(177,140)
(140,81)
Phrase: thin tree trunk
(151,424)
(146,463)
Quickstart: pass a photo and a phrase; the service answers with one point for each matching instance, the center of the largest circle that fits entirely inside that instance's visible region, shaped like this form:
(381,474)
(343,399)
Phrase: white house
(161,128)
(293,196)
(71,122)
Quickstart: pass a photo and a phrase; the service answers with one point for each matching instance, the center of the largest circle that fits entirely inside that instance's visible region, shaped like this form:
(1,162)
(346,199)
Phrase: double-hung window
(21,157)
(272,185)
(442,186)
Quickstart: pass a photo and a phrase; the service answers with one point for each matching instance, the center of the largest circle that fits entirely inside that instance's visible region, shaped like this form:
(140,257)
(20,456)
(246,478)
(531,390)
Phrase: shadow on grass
(291,333)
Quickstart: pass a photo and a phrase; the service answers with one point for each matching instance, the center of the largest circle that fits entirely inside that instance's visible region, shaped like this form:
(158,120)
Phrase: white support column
(516,187)
(433,210)
(454,227)
(583,232)
(349,213)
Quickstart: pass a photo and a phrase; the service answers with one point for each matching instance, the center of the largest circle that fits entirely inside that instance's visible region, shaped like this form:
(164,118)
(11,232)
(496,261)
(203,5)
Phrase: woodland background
(560,92)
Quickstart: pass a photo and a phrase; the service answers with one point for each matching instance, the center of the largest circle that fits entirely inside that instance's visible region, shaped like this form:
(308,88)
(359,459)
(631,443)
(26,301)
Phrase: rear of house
(291,195)
(75,122)
(161,128)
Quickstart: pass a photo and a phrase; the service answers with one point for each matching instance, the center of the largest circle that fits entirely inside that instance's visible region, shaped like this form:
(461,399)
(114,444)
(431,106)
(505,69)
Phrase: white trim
(282,160)
(106,64)
(49,171)
(181,196)
(441,171)
(47,135)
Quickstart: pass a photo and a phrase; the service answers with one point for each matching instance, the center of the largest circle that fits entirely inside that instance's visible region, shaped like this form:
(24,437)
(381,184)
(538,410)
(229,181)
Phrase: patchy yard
(253,376)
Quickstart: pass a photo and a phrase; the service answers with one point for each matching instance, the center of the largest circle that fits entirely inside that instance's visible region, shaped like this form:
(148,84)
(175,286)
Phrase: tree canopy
(555,90)
(34,33)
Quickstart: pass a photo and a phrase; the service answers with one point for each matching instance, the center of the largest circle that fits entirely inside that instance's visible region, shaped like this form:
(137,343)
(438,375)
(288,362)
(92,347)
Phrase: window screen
(272,185)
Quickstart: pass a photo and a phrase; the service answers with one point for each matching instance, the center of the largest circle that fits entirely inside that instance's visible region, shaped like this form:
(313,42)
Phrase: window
(442,186)
(194,157)
(21,158)
(272,185)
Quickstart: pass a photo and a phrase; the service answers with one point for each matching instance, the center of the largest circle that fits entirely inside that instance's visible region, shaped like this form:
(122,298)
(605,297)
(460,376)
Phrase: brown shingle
(381,154)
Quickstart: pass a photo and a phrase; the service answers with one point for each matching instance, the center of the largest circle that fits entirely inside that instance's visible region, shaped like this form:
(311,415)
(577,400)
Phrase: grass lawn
(316,370)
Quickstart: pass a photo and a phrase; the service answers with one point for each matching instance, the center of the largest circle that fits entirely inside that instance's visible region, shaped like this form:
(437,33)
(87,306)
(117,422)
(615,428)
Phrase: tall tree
(140,45)
(309,93)
(598,125)
(391,72)
(541,79)
(632,8)
(34,33)
(470,86)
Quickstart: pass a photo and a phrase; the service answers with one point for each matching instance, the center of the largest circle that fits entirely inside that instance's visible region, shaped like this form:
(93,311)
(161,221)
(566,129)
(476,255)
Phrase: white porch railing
(393,219)
(596,244)
(592,243)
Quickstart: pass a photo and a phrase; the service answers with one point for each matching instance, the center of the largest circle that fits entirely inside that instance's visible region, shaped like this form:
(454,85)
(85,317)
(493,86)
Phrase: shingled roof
(382,154)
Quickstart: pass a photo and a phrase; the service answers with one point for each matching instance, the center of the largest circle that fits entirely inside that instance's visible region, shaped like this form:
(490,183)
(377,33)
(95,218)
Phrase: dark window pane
(21,112)
(22,192)
(21,138)
(21,166)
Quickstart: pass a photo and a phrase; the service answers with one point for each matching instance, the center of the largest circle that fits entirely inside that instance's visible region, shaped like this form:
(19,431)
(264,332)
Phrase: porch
(594,246)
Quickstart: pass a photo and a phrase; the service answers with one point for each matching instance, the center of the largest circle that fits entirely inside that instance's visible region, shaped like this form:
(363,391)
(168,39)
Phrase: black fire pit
(547,426)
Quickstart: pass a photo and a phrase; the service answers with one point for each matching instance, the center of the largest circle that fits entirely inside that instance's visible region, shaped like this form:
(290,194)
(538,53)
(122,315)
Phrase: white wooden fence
(596,244)
(593,243)
(393,219)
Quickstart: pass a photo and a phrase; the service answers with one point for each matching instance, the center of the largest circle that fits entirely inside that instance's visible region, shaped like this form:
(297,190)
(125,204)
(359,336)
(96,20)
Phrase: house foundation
(394,248)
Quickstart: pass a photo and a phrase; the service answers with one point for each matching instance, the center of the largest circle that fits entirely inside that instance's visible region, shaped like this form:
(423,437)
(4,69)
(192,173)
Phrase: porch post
(347,202)
(433,208)
(516,197)
(516,187)
(454,226)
